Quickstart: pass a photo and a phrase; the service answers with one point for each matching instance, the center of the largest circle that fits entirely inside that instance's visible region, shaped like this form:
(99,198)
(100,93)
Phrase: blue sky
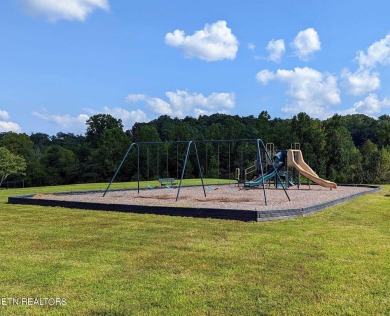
(62,61)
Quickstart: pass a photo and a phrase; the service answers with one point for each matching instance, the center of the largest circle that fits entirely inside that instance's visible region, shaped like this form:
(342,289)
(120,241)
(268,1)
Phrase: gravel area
(220,197)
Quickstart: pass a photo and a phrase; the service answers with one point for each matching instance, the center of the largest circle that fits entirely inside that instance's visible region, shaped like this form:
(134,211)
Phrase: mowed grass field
(336,262)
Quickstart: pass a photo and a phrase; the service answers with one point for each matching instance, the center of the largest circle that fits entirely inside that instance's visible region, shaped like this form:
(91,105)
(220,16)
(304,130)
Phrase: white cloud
(214,42)
(370,105)
(366,79)
(6,125)
(310,90)
(4,115)
(377,53)
(128,117)
(133,98)
(182,103)
(306,43)
(77,124)
(264,76)
(67,123)
(276,49)
(9,127)
(251,46)
(360,82)
(159,106)
(54,10)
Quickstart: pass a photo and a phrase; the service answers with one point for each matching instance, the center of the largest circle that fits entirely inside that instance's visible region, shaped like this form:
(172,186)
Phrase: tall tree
(10,164)
(384,130)
(370,162)
(18,143)
(343,157)
(361,127)
(310,134)
(61,165)
(98,124)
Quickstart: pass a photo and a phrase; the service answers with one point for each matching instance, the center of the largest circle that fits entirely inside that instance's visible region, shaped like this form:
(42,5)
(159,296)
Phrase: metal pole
(184,168)
(277,174)
(138,166)
(262,173)
(120,166)
(200,169)
(218,162)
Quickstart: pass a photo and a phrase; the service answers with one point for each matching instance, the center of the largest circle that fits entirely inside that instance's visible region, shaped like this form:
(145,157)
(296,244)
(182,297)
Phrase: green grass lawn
(336,262)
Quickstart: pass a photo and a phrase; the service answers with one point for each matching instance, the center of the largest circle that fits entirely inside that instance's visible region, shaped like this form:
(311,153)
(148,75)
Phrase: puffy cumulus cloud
(215,42)
(377,53)
(360,82)
(77,124)
(54,10)
(310,90)
(306,43)
(6,125)
(276,50)
(128,117)
(133,98)
(182,103)
(4,115)
(264,76)
(371,105)
(366,79)
(67,122)
(159,106)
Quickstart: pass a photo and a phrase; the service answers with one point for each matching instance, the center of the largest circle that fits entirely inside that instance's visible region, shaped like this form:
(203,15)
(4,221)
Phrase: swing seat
(167,181)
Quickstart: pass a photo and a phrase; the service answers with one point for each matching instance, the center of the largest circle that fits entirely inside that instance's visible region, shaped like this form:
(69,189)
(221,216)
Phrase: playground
(269,194)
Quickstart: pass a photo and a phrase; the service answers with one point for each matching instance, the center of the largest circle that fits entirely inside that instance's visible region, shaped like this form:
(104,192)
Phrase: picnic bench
(166,181)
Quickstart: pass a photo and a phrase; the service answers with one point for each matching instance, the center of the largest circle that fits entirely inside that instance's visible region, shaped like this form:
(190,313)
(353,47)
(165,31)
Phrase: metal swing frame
(259,143)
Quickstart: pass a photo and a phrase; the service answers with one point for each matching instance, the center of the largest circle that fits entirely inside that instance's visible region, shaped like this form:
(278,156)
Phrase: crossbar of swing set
(189,143)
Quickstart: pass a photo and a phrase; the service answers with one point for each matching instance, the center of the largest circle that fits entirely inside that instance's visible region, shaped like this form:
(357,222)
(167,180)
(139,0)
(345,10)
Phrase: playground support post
(276,172)
(261,168)
(120,166)
(184,168)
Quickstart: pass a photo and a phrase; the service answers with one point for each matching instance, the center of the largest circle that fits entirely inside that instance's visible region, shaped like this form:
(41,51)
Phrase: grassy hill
(334,262)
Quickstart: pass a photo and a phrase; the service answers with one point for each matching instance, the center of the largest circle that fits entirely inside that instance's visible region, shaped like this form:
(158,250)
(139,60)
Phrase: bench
(166,181)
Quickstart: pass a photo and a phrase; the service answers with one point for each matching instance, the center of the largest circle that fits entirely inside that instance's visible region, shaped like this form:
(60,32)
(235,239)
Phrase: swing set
(260,148)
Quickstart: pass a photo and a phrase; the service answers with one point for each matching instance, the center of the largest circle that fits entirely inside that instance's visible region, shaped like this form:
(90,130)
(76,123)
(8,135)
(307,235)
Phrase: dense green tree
(60,164)
(384,165)
(361,127)
(10,164)
(311,136)
(343,157)
(18,143)
(384,130)
(40,141)
(352,148)
(263,126)
(370,162)
(98,124)
(113,146)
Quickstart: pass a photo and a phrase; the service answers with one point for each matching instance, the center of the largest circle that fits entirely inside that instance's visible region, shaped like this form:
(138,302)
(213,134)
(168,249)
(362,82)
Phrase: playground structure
(268,166)
(222,202)
(295,159)
(282,160)
(260,150)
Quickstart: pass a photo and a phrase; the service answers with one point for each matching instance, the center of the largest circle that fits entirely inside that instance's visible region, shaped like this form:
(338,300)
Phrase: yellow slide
(298,163)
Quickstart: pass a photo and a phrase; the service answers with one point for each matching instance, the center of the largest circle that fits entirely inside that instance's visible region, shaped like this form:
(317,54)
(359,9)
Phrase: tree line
(345,149)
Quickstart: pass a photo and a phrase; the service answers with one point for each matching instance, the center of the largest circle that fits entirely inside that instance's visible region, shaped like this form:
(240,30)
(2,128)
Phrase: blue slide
(278,164)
